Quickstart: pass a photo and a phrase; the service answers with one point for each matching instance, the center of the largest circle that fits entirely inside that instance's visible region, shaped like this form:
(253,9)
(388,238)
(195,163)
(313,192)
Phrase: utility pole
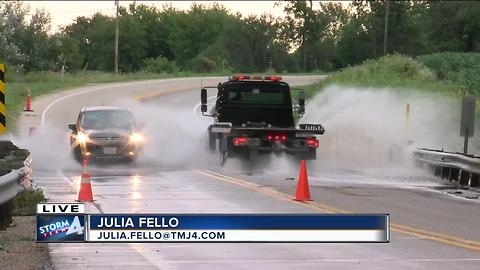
(116,40)
(305,53)
(385,34)
(63,70)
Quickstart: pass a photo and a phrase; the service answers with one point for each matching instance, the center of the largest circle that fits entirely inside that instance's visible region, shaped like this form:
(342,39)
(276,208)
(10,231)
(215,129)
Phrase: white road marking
(65,178)
(44,113)
(154,258)
(453,196)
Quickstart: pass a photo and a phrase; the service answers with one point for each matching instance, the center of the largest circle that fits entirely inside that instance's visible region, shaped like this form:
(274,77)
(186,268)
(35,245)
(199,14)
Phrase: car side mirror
(203,98)
(301,101)
(73,127)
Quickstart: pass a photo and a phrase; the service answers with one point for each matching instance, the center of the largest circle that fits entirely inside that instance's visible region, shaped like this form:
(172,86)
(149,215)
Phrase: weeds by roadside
(26,203)
(394,71)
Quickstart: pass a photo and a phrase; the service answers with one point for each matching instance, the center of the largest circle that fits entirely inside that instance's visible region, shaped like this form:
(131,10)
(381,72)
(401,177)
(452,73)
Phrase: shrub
(26,202)
(395,71)
(159,65)
(202,64)
(460,68)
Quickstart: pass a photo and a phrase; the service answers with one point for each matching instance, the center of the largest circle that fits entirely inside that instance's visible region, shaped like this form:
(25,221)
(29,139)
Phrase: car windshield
(105,119)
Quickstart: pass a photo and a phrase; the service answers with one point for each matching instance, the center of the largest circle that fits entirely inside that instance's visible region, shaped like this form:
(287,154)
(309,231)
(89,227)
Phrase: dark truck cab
(255,115)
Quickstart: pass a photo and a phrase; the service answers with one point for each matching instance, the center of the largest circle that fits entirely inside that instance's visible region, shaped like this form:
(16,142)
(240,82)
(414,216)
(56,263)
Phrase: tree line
(310,36)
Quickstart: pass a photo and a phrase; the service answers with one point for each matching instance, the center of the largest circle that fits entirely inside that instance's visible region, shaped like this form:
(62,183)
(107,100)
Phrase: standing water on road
(368,128)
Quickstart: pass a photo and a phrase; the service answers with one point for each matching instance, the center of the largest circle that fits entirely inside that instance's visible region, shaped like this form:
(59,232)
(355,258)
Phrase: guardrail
(15,178)
(457,167)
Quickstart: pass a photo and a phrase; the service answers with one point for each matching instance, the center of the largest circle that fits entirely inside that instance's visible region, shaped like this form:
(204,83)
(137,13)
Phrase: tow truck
(257,115)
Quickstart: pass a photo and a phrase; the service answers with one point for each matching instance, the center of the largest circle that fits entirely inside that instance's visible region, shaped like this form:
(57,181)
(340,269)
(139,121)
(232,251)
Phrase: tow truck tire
(310,155)
(212,142)
(132,161)
(223,149)
(77,154)
(252,155)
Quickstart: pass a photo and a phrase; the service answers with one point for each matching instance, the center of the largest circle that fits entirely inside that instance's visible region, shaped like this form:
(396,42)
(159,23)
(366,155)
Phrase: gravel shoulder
(18,249)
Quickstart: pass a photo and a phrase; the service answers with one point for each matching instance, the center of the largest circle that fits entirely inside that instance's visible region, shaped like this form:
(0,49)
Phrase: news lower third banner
(240,228)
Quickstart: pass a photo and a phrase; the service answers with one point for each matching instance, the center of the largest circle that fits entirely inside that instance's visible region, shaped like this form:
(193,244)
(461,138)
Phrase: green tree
(132,40)
(12,27)
(454,26)
(69,52)
(362,37)
(36,42)
(155,29)
(193,31)
(299,27)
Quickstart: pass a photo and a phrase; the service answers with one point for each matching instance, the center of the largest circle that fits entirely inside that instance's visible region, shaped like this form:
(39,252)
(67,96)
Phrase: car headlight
(136,138)
(82,138)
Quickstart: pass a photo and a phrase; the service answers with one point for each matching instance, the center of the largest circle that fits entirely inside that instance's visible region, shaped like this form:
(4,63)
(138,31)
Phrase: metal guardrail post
(454,167)
(474,180)
(15,165)
(6,212)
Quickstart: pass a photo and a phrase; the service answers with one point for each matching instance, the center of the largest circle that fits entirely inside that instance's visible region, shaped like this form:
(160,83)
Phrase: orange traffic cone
(28,106)
(85,194)
(303,191)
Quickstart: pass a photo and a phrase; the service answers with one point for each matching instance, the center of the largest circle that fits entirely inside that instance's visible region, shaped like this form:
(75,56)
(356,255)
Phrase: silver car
(105,132)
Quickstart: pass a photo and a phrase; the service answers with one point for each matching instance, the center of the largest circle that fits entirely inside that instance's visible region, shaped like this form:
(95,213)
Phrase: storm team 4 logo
(64,228)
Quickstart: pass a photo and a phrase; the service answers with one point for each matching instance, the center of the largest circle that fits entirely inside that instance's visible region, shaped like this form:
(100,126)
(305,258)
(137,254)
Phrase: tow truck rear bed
(247,141)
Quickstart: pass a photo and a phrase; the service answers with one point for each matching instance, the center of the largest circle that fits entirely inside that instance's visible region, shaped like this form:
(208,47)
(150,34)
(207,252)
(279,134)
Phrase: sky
(64,12)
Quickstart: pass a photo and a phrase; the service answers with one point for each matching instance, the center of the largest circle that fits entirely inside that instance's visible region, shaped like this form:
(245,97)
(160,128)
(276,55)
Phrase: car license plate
(303,135)
(109,150)
(253,142)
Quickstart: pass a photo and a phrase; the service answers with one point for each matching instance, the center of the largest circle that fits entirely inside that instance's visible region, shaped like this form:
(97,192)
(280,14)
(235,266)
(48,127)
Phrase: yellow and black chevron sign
(3,106)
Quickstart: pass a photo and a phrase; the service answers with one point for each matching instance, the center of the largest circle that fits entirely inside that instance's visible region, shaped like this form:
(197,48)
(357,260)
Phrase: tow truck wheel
(223,158)
(77,154)
(132,161)
(212,142)
(252,155)
(222,147)
(310,155)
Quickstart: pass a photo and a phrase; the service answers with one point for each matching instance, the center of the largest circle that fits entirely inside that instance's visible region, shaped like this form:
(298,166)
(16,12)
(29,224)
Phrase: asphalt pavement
(431,228)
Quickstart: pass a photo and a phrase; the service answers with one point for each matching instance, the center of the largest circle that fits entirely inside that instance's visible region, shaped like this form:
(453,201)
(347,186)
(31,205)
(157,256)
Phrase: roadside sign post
(3,105)
(467,122)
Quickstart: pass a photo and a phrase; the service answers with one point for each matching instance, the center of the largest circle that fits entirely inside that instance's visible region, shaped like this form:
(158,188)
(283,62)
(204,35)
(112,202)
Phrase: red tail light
(239,141)
(277,137)
(312,142)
